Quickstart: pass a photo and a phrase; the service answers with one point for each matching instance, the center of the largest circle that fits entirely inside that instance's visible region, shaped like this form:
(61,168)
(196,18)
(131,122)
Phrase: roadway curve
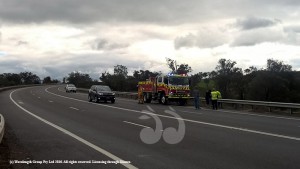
(50,124)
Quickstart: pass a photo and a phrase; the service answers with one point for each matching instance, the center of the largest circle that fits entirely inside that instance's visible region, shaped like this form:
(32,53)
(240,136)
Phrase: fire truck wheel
(147,99)
(164,99)
(182,102)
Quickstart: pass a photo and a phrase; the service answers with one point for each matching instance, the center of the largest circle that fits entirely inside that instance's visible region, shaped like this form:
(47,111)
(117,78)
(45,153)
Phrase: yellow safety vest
(214,95)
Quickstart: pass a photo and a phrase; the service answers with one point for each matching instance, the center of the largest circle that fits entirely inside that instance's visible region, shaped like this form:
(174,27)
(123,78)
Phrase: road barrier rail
(2,124)
(270,105)
(290,106)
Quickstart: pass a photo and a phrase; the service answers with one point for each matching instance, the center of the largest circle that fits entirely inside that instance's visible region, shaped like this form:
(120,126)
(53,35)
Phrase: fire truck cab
(166,88)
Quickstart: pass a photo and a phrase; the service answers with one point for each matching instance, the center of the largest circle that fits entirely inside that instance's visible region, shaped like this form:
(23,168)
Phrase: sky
(57,37)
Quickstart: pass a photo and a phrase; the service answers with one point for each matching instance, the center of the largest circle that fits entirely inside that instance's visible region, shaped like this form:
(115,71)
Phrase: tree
(250,70)
(225,67)
(277,66)
(179,69)
(144,74)
(79,79)
(29,78)
(47,80)
(184,69)
(172,64)
(120,70)
(226,74)
(13,78)
(269,86)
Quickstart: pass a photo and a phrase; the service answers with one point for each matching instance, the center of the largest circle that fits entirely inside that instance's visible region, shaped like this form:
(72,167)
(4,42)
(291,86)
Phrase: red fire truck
(166,88)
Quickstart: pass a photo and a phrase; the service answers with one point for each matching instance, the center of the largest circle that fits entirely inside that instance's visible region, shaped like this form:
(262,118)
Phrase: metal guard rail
(2,123)
(290,106)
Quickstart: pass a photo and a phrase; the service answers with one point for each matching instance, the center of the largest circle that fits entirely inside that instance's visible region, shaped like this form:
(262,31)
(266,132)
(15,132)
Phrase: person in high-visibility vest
(141,94)
(214,98)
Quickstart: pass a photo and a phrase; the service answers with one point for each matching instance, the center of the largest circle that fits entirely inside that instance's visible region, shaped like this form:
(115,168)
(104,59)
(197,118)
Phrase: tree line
(23,78)
(277,82)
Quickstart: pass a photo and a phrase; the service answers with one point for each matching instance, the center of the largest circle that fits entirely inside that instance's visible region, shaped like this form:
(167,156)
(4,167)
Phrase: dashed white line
(138,124)
(260,115)
(50,101)
(100,150)
(191,112)
(39,97)
(187,120)
(73,108)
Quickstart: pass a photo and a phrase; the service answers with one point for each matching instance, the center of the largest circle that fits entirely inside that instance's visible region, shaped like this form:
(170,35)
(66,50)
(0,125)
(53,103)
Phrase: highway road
(64,130)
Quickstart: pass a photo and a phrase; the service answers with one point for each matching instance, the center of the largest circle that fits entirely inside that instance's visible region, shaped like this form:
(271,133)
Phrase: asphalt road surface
(55,129)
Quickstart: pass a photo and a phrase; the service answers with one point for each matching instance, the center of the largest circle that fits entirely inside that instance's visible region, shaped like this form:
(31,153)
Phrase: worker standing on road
(214,99)
(197,99)
(140,94)
(219,97)
(208,97)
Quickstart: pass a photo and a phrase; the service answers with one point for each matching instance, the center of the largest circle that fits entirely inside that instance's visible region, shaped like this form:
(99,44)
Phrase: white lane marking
(260,115)
(188,120)
(73,108)
(50,101)
(39,97)
(138,124)
(225,111)
(108,154)
(190,112)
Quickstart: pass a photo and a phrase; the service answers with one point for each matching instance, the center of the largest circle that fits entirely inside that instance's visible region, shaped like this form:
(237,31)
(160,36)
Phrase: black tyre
(95,99)
(113,101)
(182,102)
(149,98)
(164,99)
(89,98)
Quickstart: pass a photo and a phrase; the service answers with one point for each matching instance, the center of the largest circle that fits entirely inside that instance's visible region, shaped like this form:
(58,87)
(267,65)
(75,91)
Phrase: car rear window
(103,88)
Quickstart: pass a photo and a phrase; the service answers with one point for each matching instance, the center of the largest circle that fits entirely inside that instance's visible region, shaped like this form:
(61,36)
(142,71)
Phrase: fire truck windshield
(177,80)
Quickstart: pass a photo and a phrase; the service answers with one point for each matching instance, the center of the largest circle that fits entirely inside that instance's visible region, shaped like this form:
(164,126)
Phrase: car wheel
(96,99)
(89,98)
(113,101)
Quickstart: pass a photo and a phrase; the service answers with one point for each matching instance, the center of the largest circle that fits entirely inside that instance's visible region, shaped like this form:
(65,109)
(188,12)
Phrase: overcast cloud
(54,38)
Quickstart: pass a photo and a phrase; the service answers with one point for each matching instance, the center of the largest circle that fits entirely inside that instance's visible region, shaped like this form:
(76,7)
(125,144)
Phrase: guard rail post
(2,123)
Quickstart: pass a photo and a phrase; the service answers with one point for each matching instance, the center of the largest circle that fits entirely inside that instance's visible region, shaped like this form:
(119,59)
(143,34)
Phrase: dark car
(101,92)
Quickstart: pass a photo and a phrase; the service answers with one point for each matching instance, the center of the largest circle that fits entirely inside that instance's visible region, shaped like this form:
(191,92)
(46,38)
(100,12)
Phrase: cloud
(255,22)
(60,36)
(21,43)
(203,39)
(103,44)
(90,11)
(292,28)
(141,11)
(255,37)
